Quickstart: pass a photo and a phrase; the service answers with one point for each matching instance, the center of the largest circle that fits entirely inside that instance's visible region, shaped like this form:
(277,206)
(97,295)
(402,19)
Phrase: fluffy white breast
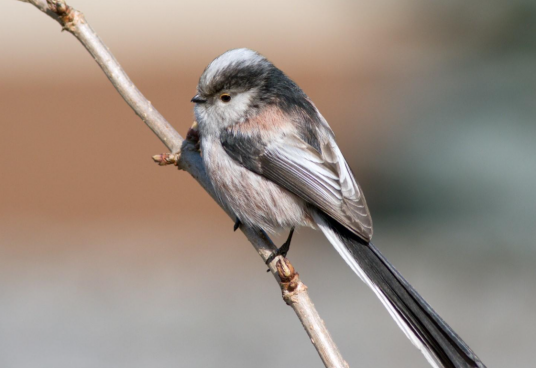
(255,200)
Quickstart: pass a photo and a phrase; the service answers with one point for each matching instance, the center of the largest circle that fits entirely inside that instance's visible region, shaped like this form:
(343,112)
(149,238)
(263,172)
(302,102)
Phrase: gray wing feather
(323,178)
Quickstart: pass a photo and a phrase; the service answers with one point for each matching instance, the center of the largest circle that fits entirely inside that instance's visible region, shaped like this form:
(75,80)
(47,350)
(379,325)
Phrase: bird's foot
(237,224)
(283,250)
(194,136)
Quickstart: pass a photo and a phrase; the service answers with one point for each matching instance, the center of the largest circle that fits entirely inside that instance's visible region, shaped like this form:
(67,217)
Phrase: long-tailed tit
(273,160)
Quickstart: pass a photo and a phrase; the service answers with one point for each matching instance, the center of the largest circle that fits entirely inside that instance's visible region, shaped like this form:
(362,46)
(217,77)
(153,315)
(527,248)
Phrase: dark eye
(225,97)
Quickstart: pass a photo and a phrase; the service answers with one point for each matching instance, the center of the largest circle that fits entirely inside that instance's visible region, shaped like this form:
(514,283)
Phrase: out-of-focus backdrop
(107,260)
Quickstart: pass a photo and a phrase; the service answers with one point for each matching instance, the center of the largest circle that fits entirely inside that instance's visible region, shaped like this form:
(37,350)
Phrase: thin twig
(186,156)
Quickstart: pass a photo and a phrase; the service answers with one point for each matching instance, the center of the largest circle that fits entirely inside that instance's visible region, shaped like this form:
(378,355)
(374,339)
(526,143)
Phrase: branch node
(291,284)
(67,15)
(285,270)
(165,159)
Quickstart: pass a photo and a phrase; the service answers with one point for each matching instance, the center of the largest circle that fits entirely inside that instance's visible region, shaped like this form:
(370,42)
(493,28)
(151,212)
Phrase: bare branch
(185,155)
(43,6)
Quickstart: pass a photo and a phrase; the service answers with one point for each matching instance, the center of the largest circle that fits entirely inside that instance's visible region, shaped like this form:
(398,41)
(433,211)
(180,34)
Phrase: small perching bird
(273,161)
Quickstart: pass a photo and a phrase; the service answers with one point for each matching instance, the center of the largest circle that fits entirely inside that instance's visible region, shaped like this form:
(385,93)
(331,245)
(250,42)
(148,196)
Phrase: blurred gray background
(107,260)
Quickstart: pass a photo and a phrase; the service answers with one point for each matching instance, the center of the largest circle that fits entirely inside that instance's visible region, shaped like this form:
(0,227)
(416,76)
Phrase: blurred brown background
(107,260)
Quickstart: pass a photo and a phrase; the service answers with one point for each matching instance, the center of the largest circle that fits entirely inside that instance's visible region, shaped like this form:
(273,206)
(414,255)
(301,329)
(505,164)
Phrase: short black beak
(199,99)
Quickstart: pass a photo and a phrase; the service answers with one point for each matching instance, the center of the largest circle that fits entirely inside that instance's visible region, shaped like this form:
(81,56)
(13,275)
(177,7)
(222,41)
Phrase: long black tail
(441,346)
